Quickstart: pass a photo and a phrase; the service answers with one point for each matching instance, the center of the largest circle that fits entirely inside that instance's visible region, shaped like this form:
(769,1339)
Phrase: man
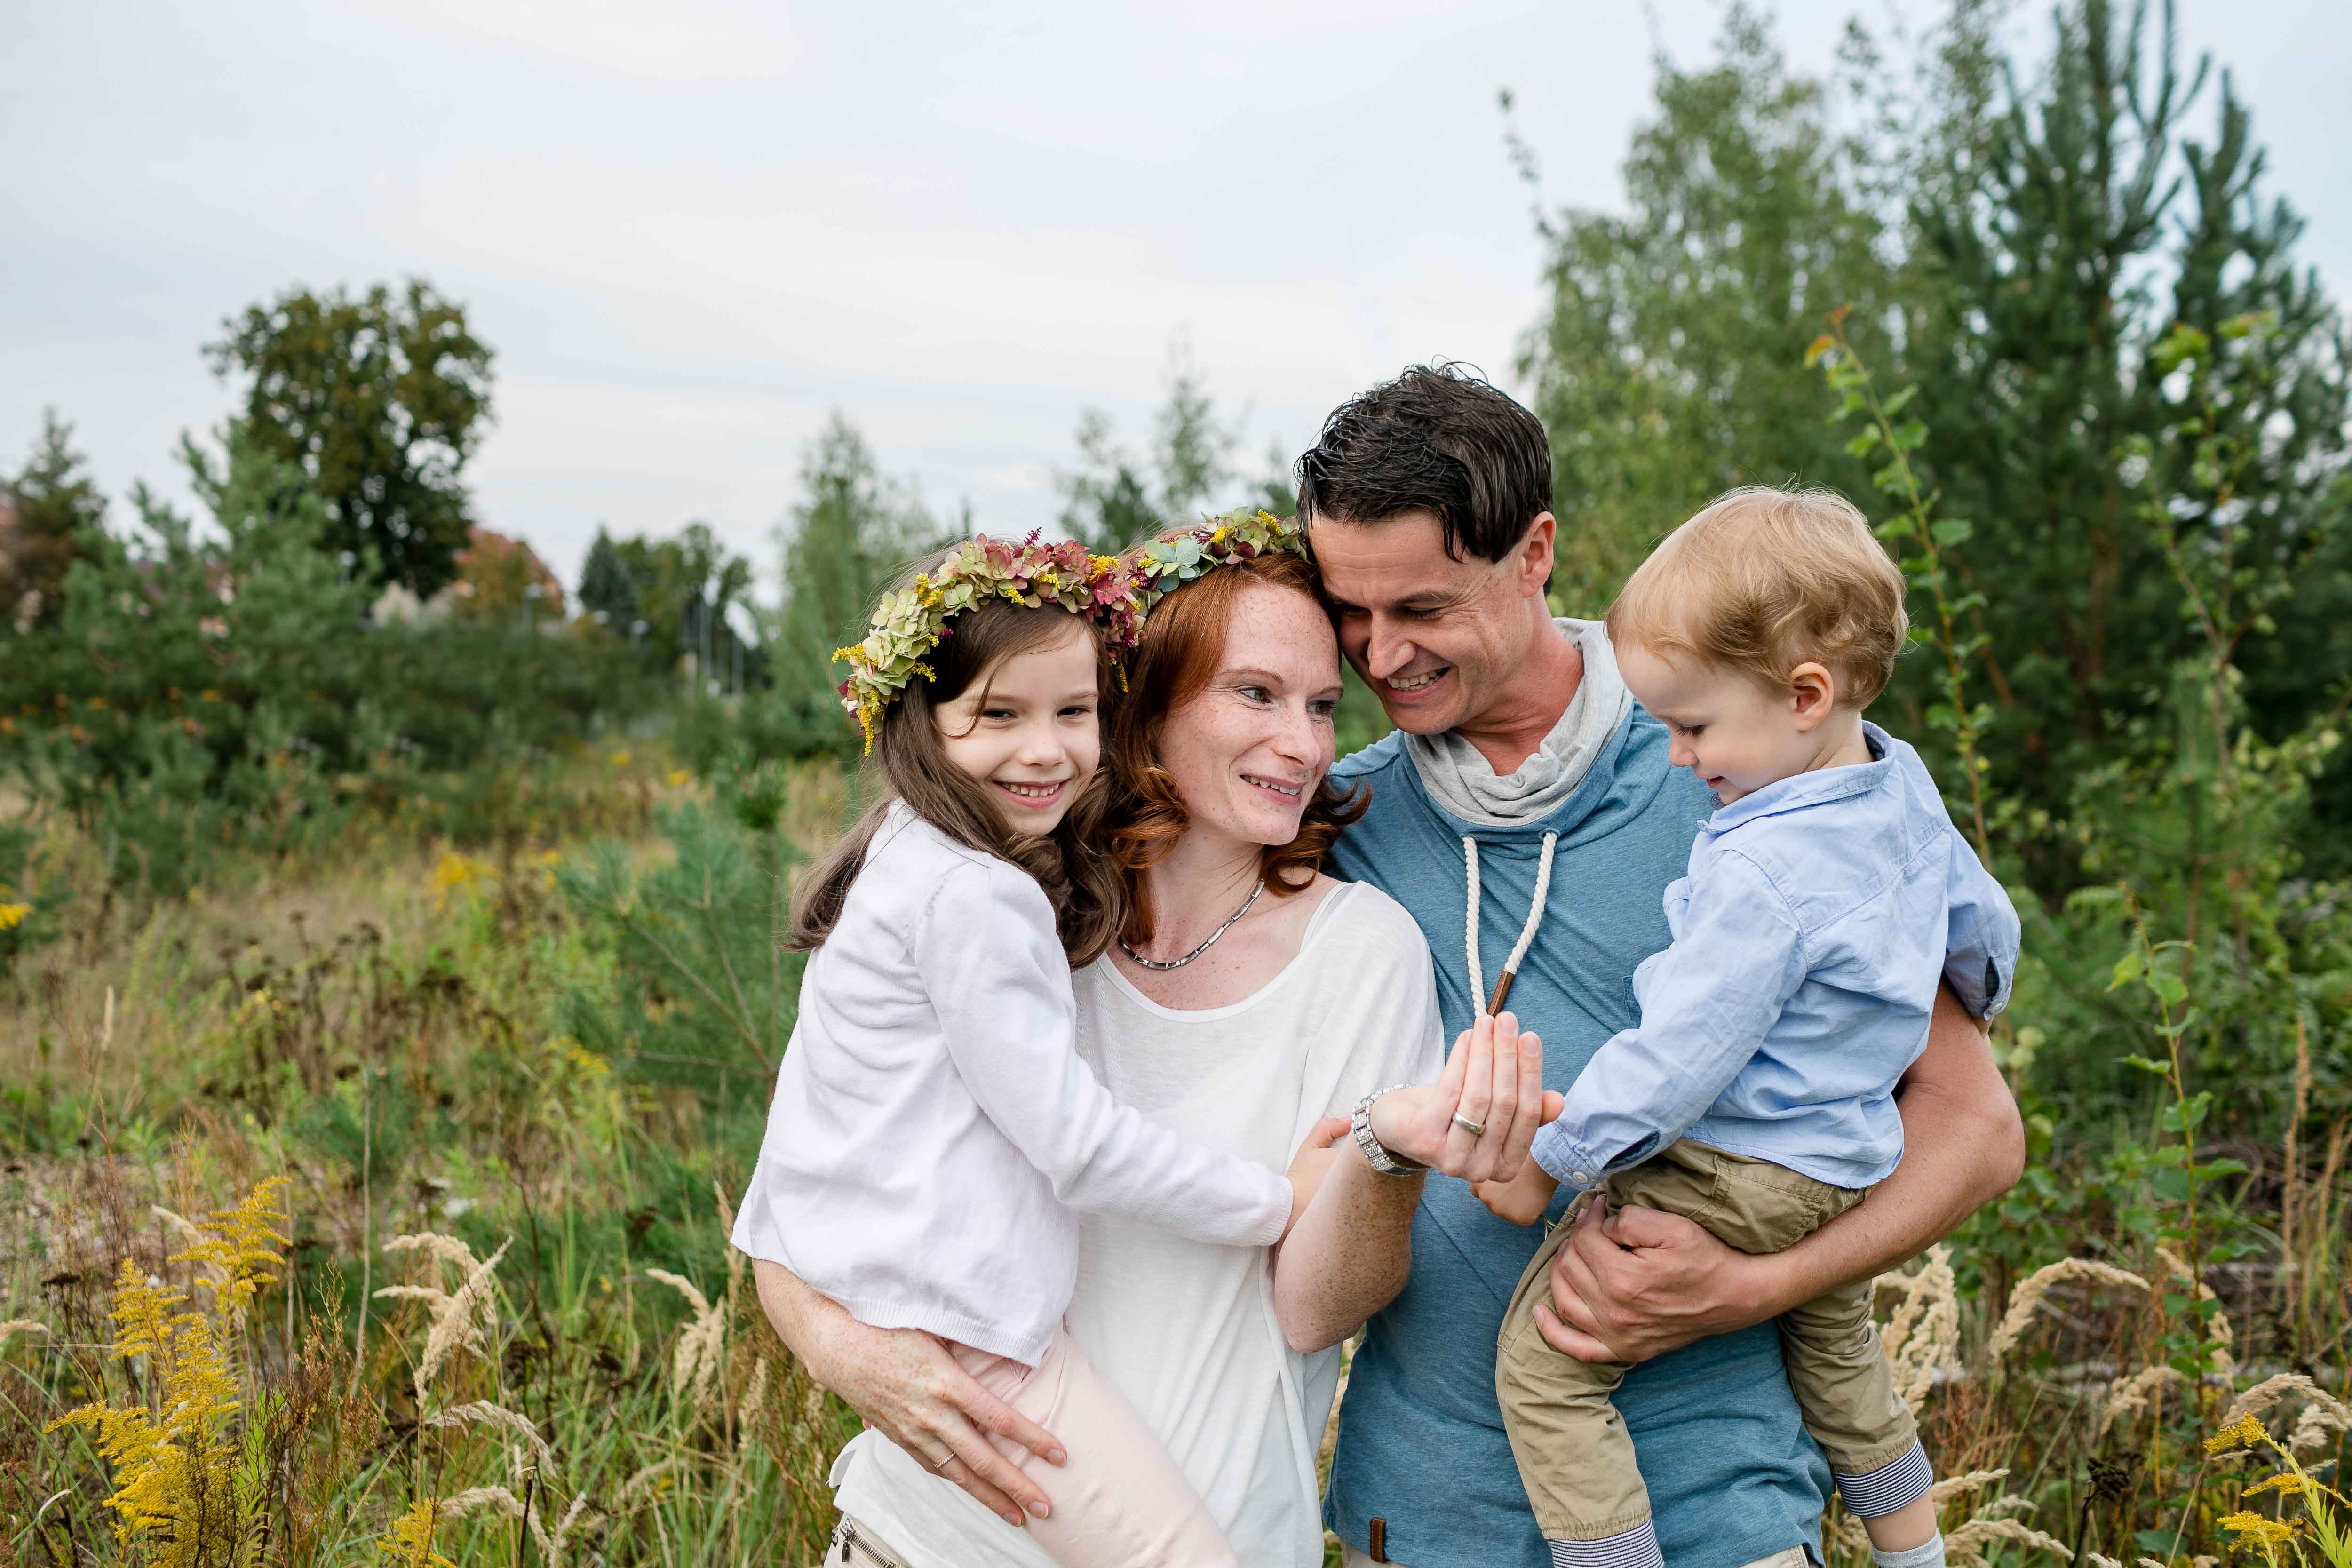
(1528,816)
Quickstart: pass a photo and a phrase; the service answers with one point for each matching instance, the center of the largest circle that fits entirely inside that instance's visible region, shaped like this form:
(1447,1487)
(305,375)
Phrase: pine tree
(607,589)
(1670,365)
(46,513)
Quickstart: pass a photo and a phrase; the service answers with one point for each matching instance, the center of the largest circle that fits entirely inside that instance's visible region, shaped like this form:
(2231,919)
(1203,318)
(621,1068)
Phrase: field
(409,1268)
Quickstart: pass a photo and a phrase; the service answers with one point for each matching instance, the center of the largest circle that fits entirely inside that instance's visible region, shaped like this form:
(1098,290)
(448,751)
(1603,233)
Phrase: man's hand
(1638,1283)
(905,1386)
(1633,1283)
(1521,1200)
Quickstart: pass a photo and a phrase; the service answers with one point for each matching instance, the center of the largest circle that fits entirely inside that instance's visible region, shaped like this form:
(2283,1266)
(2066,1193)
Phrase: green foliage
(2072,241)
(682,587)
(1119,497)
(1667,366)
(608,590)
(216,689)
(703,992)
(44,512)
(852,530)
(379,401)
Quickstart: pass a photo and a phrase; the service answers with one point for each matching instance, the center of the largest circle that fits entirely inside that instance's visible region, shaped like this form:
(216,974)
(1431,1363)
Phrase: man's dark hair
(1438,439)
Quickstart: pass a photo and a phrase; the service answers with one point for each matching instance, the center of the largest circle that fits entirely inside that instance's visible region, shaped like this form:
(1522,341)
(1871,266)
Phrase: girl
(934,1133)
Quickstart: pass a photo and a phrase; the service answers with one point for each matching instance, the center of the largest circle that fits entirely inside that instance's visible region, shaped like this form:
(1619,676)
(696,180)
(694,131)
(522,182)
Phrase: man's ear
(1535,553)
(1812,696)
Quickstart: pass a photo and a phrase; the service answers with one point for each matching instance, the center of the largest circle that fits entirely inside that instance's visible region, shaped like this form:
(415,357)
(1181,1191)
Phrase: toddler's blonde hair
(1766,579)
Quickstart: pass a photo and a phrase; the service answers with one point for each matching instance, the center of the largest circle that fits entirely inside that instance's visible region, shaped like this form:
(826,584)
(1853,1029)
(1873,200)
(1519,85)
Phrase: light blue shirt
(1807,939)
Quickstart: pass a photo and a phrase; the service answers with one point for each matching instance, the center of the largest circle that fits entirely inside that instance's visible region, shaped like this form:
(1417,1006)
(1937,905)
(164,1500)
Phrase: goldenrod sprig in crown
(1178,556)
(907,624)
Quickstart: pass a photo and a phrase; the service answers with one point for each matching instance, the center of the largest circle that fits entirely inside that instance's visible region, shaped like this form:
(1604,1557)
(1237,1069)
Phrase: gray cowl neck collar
(1459,779)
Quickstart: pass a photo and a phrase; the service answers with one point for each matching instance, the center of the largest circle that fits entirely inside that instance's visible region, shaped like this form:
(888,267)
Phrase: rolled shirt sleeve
(1002,989)
(1708,1002)
(1982,952)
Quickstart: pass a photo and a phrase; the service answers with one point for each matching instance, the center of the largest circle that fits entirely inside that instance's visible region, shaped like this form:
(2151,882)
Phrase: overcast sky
(689,229)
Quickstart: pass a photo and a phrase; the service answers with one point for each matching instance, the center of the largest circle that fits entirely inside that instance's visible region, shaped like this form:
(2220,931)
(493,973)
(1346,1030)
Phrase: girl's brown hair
(909,765)
(1183,644)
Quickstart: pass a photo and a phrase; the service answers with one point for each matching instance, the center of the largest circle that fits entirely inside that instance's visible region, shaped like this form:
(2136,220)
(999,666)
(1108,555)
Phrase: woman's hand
(1493,1083)
(905,1386)
(1312,1163)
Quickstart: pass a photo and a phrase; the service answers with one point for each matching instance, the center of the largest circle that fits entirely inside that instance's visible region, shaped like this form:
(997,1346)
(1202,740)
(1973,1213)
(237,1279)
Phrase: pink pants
(1119,1501)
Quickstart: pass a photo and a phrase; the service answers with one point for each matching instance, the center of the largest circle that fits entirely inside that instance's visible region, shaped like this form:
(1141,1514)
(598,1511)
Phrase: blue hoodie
(1732,1475)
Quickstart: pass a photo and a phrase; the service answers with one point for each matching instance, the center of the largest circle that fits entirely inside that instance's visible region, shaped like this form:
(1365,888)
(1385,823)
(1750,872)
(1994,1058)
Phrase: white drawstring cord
(1527,932)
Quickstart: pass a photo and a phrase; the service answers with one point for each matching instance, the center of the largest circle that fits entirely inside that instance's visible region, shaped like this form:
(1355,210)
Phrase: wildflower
(13,915)
(619,759)
(2286,1483)
(409,1543)
(677,777)
(2257,1530)
(2242,1433)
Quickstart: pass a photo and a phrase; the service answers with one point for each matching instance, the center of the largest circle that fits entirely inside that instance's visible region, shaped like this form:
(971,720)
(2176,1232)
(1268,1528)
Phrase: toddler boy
(1756,1097)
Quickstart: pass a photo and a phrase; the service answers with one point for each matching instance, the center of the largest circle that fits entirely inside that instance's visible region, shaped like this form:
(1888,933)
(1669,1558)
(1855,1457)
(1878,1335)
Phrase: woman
(1250,1002)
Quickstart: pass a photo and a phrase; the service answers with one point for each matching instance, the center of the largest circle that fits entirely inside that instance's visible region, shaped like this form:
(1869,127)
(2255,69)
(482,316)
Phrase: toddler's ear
(1813,695)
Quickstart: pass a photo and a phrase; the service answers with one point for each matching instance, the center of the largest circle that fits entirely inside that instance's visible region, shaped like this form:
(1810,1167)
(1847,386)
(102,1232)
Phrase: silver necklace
(1208,943)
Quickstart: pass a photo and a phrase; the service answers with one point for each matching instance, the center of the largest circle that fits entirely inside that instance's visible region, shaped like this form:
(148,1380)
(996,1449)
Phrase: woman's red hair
(1184,645)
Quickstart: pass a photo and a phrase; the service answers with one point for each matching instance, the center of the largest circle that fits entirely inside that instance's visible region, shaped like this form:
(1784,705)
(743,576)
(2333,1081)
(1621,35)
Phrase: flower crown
(1175,558)
(907,624)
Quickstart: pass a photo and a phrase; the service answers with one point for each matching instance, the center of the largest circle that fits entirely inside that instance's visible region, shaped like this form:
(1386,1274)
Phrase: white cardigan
(933,1128)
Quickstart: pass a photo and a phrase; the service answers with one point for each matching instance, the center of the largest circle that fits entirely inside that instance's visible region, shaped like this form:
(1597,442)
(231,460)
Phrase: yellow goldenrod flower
(409,1543)
(2244,1432)
(2286,1483)
(679,776)
(619,759)
(12,915)
(2254,1527)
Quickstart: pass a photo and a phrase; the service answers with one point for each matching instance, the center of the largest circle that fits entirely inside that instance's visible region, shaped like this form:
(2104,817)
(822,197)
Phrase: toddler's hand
(1312,1163)
(1523,1199)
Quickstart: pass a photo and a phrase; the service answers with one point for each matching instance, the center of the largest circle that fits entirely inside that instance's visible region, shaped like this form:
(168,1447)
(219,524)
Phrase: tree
(1670,365)
(853,529)
(47,511)
(503,581)
(607,590)
(1110,503)
(2068,241)
(380,401)
(685,586)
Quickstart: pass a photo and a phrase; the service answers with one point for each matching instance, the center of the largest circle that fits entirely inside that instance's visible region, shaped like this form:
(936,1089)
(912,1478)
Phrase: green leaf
(2162,1069)
(1953,530)
(1894,404)
(2129,968)
(2169,988)
(1907,436)
(1861,443)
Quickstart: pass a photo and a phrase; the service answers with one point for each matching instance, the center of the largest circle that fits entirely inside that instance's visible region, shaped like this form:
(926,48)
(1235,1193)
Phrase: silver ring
(1475,1128)
(942,1468)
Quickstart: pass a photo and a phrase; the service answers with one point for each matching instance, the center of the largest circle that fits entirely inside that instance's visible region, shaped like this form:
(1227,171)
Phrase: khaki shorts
(1575,1456)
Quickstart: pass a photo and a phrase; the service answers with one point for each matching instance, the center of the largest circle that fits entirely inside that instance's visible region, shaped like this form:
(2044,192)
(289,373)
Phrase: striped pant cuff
(1889,1487)
(1635,1548)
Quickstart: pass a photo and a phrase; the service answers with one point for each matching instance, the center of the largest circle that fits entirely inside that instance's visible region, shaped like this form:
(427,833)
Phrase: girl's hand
(1521,1200)
(1312,1163)
(1494,1082)
(905,1386)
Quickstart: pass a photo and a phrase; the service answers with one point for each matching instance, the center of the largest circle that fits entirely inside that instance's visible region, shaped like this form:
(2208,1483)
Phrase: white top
(1187,1332)
(933,1130)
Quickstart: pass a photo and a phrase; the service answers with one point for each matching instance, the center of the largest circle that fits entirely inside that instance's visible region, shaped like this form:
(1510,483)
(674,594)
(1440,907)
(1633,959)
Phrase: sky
(691,230)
